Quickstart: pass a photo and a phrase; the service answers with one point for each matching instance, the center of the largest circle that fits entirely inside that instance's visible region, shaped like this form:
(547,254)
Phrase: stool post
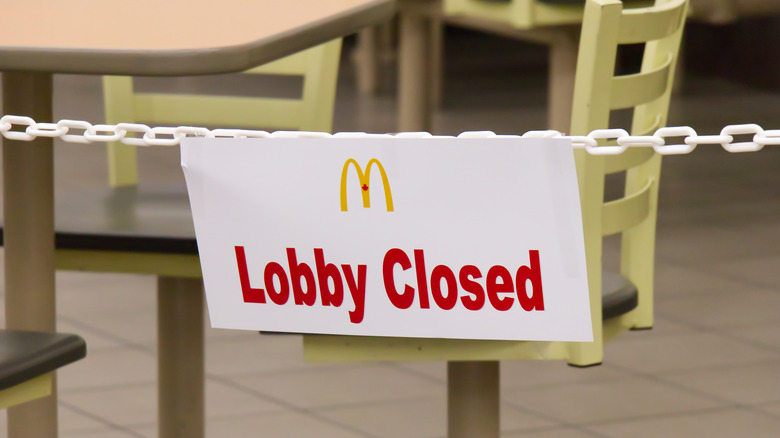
(473,399)
(180,357)
(28,205)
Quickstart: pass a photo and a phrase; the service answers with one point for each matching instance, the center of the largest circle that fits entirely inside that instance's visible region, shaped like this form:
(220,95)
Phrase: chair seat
(25,355)
(157,219)
(144,219)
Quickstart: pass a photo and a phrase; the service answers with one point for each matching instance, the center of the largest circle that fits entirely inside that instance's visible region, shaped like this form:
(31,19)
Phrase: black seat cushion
(25,355)
(618,295)
(144,218)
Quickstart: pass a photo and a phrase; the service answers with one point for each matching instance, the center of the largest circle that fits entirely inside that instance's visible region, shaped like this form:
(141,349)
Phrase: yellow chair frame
(648,92)
(595,86)
(32,389)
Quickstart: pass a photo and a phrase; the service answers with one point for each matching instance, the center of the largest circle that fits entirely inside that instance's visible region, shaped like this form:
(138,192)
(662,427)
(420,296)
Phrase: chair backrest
(598,91)
(313,111)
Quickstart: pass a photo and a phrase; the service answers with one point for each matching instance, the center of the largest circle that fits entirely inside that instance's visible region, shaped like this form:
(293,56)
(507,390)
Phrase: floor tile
(696,242)
(675,280)
(682,352)
(89,293)
(434,370)
(769,408)
(117,405)
(215,334)
(75,420)
(727,423)
(104,433)
(138,328)
(663,327)
(521,373)
(743,383)
(96,340)
(277,425)
(137,404)
(765,334)
(565,432)
(422,417)
(118,367)
(119,306)
(254,353)
(72,423)
(724,307)
(516,375)
(342,385)
(756,270)
(611,400)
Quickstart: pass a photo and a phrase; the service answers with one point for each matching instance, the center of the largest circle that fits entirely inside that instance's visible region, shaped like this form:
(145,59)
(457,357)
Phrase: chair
(28,359)
(136,227)
(312,112)
(618,301)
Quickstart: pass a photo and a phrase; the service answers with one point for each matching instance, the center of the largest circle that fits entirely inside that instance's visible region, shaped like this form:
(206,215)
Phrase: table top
(172,37)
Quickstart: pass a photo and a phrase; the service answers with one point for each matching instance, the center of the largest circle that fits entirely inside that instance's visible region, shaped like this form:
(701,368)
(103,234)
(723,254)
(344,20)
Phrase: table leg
(28,190)
(414,108)
(563,67)
(180,357)
(473,399)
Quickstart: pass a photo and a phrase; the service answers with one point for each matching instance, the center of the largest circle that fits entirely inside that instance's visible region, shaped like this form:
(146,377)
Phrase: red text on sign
(500,285)
(305,283)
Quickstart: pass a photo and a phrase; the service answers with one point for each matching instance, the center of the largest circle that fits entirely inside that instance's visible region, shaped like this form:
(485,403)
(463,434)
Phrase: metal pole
(473,399)
(180,357)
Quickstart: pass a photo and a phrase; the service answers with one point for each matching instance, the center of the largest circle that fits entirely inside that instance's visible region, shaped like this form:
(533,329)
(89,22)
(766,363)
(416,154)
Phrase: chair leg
(473,399)
(180,357)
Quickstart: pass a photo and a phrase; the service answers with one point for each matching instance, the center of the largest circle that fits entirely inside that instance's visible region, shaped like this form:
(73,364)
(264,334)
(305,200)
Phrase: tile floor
(709,368)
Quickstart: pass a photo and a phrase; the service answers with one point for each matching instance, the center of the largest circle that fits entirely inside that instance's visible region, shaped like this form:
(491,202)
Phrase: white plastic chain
(171,136)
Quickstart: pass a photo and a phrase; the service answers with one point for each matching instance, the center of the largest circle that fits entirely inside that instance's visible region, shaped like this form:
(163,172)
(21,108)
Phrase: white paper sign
(443,237)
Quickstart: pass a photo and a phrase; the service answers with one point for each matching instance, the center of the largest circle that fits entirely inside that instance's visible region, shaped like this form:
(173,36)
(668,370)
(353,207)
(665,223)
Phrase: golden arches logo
(364,179)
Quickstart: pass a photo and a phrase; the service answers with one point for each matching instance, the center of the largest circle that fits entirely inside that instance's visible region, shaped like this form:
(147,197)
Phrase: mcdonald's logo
(364,179)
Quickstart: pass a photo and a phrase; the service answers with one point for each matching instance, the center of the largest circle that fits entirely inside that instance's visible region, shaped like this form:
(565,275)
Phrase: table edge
(190,62)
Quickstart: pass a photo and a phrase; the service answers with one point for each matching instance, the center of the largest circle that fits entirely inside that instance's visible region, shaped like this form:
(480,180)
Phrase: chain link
(172,136)
(77,124)
(607,150)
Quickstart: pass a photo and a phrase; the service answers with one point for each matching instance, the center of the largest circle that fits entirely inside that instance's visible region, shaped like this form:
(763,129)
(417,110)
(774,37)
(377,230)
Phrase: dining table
(40,38)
